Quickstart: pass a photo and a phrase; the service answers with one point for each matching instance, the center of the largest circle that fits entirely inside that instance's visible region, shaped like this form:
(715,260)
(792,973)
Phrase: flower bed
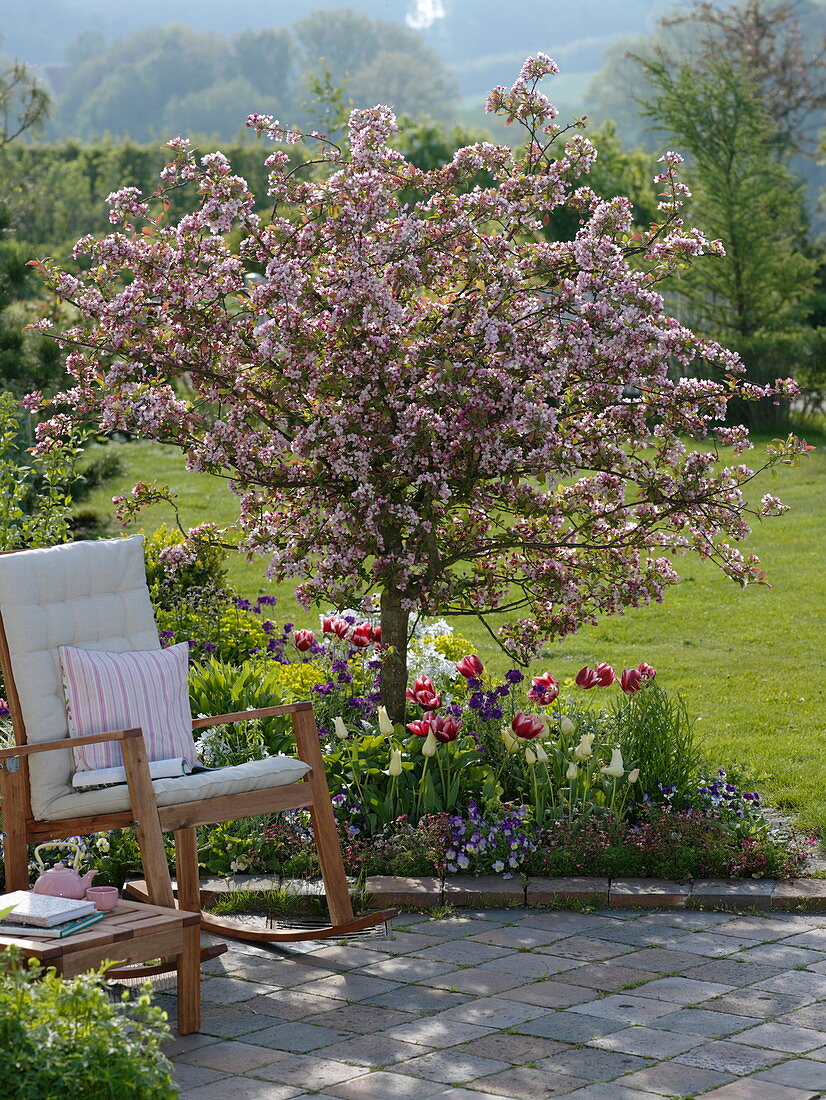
(600,775)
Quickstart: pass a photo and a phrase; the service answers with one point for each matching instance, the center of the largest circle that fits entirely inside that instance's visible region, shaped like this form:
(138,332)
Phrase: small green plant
(69,1039)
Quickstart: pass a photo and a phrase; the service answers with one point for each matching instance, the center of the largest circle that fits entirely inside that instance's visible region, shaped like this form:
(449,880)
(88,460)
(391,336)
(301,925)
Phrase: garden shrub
(69,1039)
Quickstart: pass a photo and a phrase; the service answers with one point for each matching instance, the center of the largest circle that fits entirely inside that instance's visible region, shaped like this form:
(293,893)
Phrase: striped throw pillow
(115,691)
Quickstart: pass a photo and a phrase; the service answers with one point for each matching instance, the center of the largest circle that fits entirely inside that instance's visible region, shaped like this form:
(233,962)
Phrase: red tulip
(631,680)
(605,675)
(304,640)
(339,627)
(527,726)
(376,634)
(362,635)
(424,693)
(421,727)
(648,673)
(445,728)
(587,678)
(599,676)
(470,667)
(545,689)
(327,623)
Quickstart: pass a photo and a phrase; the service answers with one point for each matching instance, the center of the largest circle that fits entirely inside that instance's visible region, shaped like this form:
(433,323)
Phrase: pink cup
(103,898)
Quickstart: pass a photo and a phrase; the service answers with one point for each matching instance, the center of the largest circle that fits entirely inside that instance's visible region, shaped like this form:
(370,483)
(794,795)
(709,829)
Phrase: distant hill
(478,38)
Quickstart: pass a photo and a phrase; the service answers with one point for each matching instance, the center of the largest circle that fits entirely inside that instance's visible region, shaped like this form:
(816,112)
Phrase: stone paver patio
(521,1004)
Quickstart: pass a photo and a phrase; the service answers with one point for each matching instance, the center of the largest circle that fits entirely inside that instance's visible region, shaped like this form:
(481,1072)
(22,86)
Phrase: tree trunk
(394,623)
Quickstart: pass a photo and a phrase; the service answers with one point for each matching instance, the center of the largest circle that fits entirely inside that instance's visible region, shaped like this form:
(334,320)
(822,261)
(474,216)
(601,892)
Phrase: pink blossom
(421,726)
(646,671)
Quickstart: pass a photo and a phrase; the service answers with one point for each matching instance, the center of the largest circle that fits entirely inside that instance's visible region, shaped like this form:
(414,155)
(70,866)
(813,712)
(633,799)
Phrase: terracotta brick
(559,893)
(737,894)
(649,893)
(384,890)
(805,893)
(483,890)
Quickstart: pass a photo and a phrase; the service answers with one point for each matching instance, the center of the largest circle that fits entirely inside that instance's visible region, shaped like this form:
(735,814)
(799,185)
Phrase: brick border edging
(488,890)
(387,891)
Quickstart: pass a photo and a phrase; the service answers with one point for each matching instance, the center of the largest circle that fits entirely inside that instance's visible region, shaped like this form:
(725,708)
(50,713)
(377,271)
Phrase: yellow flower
(616,768)
(395,767)
(385,725)
(585,748)
(530,757)
(102,845)
(572,772)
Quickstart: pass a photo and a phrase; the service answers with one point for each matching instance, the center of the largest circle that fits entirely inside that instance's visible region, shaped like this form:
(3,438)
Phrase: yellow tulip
(530,757)
(385,725)
(511,744)
(572,772)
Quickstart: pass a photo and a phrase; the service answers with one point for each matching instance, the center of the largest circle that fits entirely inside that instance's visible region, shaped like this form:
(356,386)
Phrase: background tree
(424,400)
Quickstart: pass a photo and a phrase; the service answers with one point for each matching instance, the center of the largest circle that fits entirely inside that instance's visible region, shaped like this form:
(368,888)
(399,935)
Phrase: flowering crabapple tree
(423,399)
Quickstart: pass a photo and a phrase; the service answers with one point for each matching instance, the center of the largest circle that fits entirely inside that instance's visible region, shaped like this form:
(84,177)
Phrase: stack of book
(42,916)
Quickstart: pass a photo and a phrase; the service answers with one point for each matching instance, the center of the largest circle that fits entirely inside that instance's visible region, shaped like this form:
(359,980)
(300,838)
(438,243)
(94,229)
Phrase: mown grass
(749,662)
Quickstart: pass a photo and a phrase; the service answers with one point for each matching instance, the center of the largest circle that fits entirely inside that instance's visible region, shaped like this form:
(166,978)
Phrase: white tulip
(616,768)
(429,746)
(541,755)
(566,725)
(395,767)
(585,748)
(572,772)
(634,775)
(340,728)
(530,757)
(385,725)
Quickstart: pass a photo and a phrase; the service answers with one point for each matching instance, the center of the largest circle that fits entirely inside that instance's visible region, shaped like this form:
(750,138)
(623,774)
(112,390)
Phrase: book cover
(58,931)
(42,910)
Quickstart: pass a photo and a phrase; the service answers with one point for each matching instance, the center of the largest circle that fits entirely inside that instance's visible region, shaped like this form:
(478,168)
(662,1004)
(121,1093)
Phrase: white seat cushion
(255,775)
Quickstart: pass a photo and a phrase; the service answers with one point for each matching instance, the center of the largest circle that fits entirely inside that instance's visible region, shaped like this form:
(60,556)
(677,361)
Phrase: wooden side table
(131,933)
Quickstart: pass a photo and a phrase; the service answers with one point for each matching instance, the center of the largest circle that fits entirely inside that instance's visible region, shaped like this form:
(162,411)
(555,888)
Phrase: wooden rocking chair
(93,596)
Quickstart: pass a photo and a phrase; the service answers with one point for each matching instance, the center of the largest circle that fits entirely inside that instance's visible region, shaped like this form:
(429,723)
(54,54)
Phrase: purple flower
(514,676)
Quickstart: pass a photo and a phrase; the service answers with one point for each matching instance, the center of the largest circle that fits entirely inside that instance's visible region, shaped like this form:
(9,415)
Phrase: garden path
(520,1004)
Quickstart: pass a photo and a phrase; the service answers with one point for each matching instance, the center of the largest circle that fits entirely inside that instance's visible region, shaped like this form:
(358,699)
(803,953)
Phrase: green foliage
(68,1039)
(743,194)
(654,729)
(35,494)
(216,687)
(169,590)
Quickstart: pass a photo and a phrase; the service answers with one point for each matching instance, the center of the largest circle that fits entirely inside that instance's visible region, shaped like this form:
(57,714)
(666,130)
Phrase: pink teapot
(62,881)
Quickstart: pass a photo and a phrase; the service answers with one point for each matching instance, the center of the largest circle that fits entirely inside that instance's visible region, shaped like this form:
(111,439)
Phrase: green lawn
(750,662)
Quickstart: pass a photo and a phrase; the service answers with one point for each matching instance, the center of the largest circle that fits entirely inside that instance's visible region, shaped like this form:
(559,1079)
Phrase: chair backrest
(92,595)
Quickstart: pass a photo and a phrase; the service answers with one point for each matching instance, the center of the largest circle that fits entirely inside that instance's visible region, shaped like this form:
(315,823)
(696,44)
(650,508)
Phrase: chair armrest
(68,743)
(245,715)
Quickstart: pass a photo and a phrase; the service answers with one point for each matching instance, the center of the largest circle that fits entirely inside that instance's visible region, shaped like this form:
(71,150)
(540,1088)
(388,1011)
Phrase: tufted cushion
(115,691)
(91,595)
